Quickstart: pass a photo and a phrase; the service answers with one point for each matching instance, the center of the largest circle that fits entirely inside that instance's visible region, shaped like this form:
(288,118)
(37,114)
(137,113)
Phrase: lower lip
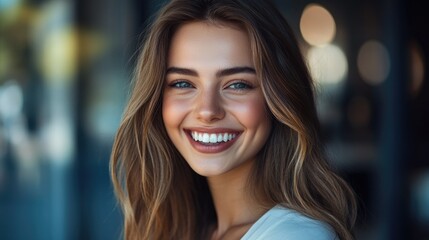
(217,148)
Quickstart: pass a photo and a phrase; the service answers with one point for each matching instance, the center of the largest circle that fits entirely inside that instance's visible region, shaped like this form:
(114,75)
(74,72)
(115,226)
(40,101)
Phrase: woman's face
(213,107)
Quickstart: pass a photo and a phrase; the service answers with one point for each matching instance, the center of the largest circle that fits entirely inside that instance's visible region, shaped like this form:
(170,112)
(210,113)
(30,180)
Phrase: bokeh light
(317,25)
(11,100)
(56,43)
(59,54)
(328,64)
(420,194)
(57,138)
(417,71)
(373,62)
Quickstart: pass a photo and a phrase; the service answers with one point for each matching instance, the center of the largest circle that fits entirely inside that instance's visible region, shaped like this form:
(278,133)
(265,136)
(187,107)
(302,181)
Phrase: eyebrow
(220,73)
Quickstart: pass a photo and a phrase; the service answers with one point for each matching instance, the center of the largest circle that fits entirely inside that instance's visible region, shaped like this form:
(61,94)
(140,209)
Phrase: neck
(235,208)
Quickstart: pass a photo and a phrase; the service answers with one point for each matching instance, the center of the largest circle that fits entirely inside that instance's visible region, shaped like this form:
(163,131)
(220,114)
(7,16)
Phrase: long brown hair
(161,197)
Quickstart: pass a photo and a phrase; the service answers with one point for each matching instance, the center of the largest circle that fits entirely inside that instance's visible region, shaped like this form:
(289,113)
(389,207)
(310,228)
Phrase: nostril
(210,109)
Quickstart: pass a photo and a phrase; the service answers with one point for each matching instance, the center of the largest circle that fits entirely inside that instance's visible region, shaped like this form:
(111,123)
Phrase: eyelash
(185,84)
(245,85)
(180,83)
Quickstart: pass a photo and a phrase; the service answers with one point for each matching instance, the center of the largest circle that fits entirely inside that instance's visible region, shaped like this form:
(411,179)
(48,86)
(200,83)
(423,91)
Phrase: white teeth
(206,137)
(225,137)
(212,137)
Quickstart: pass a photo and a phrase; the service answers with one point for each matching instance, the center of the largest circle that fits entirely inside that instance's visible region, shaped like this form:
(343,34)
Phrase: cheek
(173,111)
(253,113)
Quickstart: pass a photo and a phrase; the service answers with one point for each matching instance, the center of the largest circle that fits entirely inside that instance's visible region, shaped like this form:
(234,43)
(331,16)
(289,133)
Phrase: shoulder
(283,223)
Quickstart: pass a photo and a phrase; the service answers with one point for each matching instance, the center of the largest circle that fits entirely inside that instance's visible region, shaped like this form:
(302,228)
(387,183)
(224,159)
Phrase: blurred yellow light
(373,62)
(56,42)
(317,25)
(417,64)
(59,54)
(328,64)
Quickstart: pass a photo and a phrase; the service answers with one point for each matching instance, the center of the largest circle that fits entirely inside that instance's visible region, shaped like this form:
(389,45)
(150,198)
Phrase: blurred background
(65,69)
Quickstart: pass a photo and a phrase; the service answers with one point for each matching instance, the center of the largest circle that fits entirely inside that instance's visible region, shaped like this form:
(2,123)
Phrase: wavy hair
(161,196)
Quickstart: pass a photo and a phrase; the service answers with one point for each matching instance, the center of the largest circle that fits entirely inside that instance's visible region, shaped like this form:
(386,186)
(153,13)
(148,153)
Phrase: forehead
(205,42)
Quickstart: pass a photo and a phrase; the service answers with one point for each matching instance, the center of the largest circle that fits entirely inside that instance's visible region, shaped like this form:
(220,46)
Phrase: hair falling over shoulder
(161,197)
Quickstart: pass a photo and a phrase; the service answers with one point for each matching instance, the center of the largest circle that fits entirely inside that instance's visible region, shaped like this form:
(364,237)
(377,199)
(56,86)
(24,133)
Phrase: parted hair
(161,196)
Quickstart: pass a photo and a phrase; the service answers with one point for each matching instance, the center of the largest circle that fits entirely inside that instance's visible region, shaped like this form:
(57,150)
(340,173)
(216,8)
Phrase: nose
(209,107)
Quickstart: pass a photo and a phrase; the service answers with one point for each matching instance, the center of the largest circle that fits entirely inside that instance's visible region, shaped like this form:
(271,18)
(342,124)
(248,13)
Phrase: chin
(209,171)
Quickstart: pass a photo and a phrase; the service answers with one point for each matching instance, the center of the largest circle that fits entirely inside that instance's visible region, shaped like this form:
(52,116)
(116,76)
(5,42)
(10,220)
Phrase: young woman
(220,138)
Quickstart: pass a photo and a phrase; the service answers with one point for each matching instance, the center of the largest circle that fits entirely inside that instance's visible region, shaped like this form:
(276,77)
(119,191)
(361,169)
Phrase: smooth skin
(211,88)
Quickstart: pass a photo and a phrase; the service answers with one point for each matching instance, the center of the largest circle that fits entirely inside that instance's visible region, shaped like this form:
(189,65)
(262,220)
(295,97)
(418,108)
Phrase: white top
(281,223)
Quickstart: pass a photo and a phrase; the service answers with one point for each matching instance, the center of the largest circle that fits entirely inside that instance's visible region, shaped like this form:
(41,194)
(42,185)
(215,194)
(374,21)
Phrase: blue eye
(240,85)
(181,84)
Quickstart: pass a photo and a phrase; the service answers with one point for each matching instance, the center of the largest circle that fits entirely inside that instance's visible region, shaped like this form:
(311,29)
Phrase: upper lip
(213,130)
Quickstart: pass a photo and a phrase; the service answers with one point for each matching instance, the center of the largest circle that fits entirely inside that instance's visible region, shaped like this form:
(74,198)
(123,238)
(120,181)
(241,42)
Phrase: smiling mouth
(212,138)
(212,141)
